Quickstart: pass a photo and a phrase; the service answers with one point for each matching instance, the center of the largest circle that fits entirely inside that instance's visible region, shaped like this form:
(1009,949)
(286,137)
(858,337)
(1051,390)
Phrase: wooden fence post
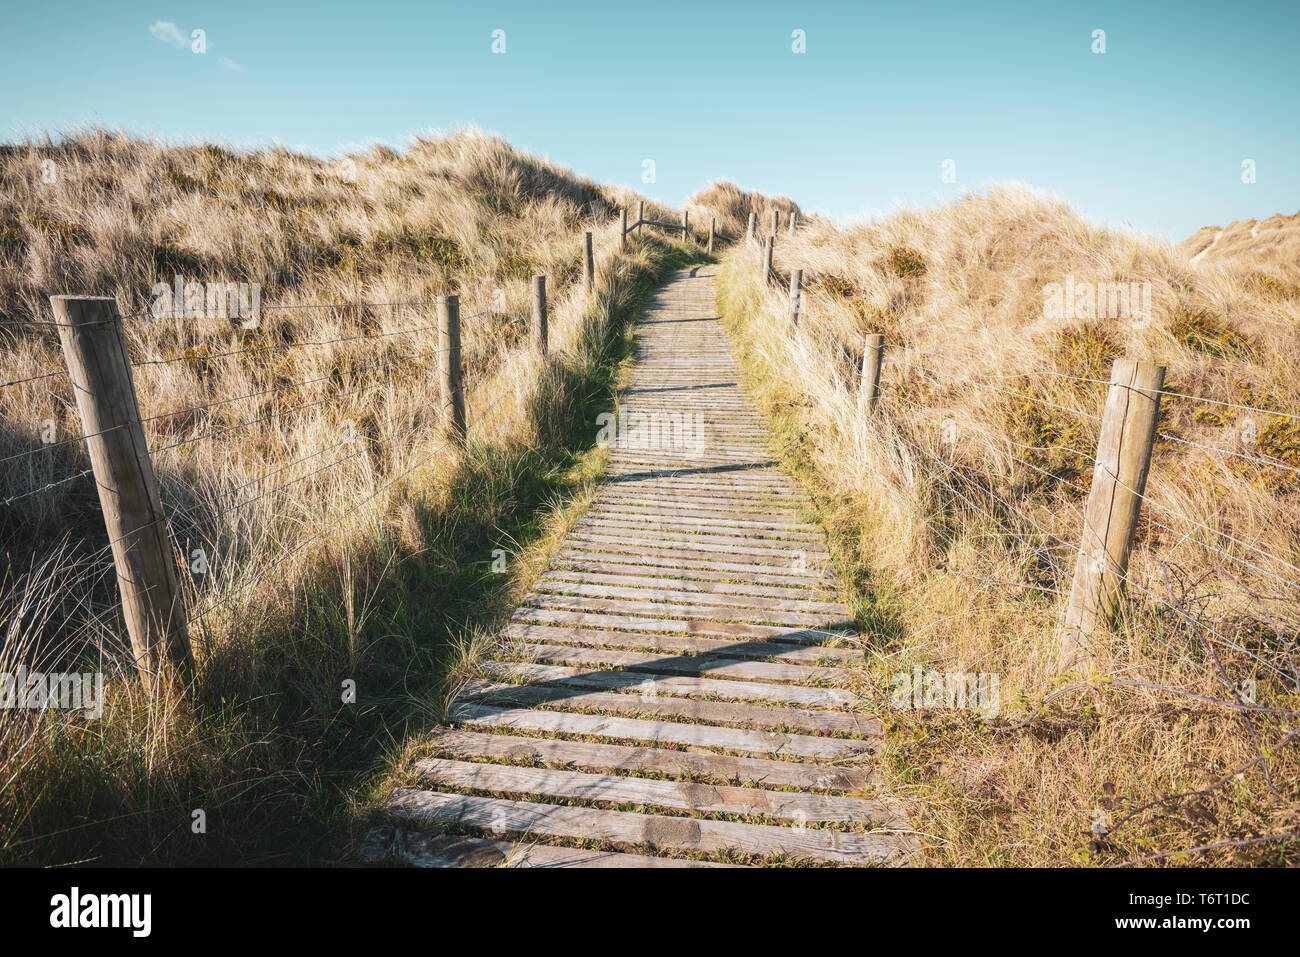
(767,260)
(776,221)
(449,364)
(640,216)
(749,231)
(873,354)
(1128,429)
(622,228)
(686,226)
(588,264)
(539,315)
(794,218)
(94,346)
(796,294)
(713,228)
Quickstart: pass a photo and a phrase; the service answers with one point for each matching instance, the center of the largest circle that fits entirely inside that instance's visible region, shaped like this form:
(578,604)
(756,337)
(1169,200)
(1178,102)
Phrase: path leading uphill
(674,684)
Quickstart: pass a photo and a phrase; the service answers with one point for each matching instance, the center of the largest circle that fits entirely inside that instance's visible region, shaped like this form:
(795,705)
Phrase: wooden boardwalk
(676,684)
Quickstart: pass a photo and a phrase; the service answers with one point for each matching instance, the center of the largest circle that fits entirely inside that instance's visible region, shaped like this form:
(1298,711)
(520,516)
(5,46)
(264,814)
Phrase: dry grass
(731,206)
(953,513)
(1268,251)
(329,558)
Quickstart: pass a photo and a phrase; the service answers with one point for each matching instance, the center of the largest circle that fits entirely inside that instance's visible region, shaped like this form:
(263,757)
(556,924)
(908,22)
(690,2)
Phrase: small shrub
(1197,329)
(906,262)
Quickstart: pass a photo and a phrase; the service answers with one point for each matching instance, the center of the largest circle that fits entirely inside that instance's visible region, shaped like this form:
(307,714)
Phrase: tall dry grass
(306,458)
(955,509)
(730,206)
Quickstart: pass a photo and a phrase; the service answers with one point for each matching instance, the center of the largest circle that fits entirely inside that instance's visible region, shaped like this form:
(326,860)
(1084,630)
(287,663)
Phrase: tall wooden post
(794,219)
(776,221)
(640,216)
(539,314)
(449,364)
(686,226)
(796,294)
(588,264)
(873,354)
(713,228)
(1128,430)
(94,346)
(749,230)
(767,260)
(622,228)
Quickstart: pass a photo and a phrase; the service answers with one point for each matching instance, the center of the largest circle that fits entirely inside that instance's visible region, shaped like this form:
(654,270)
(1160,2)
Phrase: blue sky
(1151,133)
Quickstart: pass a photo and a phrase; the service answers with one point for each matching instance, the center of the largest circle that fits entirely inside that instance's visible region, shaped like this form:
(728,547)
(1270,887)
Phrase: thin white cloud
(169,33)
(231,65)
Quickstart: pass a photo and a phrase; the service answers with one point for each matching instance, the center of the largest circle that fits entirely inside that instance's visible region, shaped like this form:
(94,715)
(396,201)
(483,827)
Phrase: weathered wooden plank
(684,568)
(614,680)
(630,829)
(792,806)
(699,665)
(776,743)
(693,615)
(798,634)
(664,591)
(813,654)
(435,849)
(628,578)
(701,765)
(644,702)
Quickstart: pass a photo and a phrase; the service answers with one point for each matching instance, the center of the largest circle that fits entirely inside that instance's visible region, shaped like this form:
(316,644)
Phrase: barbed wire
(218,433)
(1272,463)
(1020,395)
(35,378)
(349,511)
(1146,498)
(281,346)
(1123,577)
(47,487)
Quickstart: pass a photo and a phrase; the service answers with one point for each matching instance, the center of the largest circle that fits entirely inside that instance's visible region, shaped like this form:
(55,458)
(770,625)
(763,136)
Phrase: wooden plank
(698,665)
(775,743)
(810,654)
(435,849)
(793,806)
(684,569)
(629,578)
(641,702)
(742,550)
(630,829)
(664,591)
(693,617)
(613,680)
(696,765)
(797,634)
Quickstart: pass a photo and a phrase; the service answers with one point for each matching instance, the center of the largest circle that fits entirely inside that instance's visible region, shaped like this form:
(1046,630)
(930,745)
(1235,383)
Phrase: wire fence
(207,520)
(944,461)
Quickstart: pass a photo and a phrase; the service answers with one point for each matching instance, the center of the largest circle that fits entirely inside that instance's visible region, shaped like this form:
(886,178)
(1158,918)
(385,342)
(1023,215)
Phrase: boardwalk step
(811,654)
(613,680)
(735,590)
(664,592)
(789,806)
(705,765)
(434,849)
(560,614)
(564,695)
(774,743)
(699,665)
(655,832)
